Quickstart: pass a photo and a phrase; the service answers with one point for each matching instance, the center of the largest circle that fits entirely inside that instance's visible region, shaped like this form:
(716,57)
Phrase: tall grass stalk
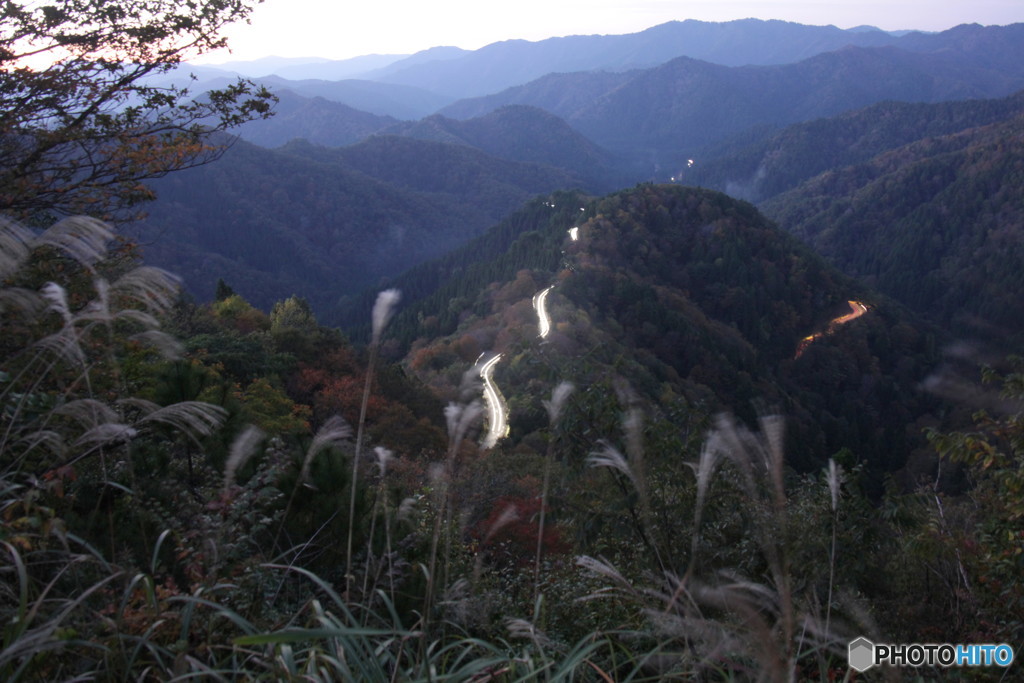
(724,622)
(459,419)
(834,478)
(380,507)
(554,409)
(383,309)
(331,434)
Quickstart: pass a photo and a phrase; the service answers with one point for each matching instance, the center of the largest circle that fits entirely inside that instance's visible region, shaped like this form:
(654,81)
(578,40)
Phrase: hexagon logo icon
(861,655)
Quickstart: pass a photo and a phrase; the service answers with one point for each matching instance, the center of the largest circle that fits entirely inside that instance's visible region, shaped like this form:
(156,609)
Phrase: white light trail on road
(539,305)
(497,410)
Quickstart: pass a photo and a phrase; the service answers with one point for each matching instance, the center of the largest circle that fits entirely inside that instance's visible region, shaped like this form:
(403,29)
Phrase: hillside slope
(323,223)
(526,134)
(692,298)
(936,224)
(779,160)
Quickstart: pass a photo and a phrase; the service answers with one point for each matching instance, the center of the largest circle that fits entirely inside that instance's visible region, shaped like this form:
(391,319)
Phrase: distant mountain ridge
(665,115)
(521,133)
(313,118)
(581,84)
(508,63)
(512,62)
(452,73)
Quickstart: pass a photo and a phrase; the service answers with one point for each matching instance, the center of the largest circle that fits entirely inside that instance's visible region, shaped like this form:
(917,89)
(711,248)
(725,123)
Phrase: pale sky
(339,30)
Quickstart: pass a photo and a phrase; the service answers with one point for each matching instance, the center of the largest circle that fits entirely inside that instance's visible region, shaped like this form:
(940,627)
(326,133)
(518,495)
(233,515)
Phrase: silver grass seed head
(610,456)
(52,441)
(773,431)
(383,456)
(383,309)
(106,434)
(436,474)
(80,237)
(599,566)
(242,448)
(63,344)
(331,433)
(21,299)
(194,418)
(508,515)
(471,383)
(704,469)
(459,419)
(452,412)
(57,297)
(834,477)
(524,630)
(14,249)
(633,426)
(100,306)
(407,507)
(557,402)
(154,288)
(87,412)
(164,344)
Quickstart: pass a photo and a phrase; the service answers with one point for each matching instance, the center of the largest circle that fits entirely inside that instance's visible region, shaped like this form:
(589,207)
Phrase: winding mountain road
(540,305)
(497,409)
(857,309)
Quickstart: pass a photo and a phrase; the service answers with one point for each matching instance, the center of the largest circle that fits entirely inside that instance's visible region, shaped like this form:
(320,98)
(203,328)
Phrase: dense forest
(657,433)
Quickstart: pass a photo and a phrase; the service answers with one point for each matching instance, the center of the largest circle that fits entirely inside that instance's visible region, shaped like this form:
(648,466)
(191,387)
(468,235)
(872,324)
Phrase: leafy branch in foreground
(82,123)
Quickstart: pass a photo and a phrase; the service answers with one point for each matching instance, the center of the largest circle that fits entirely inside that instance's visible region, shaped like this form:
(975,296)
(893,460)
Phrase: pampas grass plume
(557,402)
(383,309)
(242,448)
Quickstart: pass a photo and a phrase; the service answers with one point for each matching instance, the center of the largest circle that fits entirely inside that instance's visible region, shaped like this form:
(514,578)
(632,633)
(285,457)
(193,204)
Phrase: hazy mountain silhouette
(663,116)
(520,133)
(313,118)
(508,63)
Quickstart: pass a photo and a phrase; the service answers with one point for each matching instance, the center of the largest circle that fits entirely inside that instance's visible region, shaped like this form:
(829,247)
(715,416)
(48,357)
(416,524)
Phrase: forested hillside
(524,134)
(690,296)
(323,223)
(935,224)
(774,161)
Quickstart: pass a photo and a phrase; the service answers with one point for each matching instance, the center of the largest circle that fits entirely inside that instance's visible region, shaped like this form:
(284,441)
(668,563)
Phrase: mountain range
(892,160)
